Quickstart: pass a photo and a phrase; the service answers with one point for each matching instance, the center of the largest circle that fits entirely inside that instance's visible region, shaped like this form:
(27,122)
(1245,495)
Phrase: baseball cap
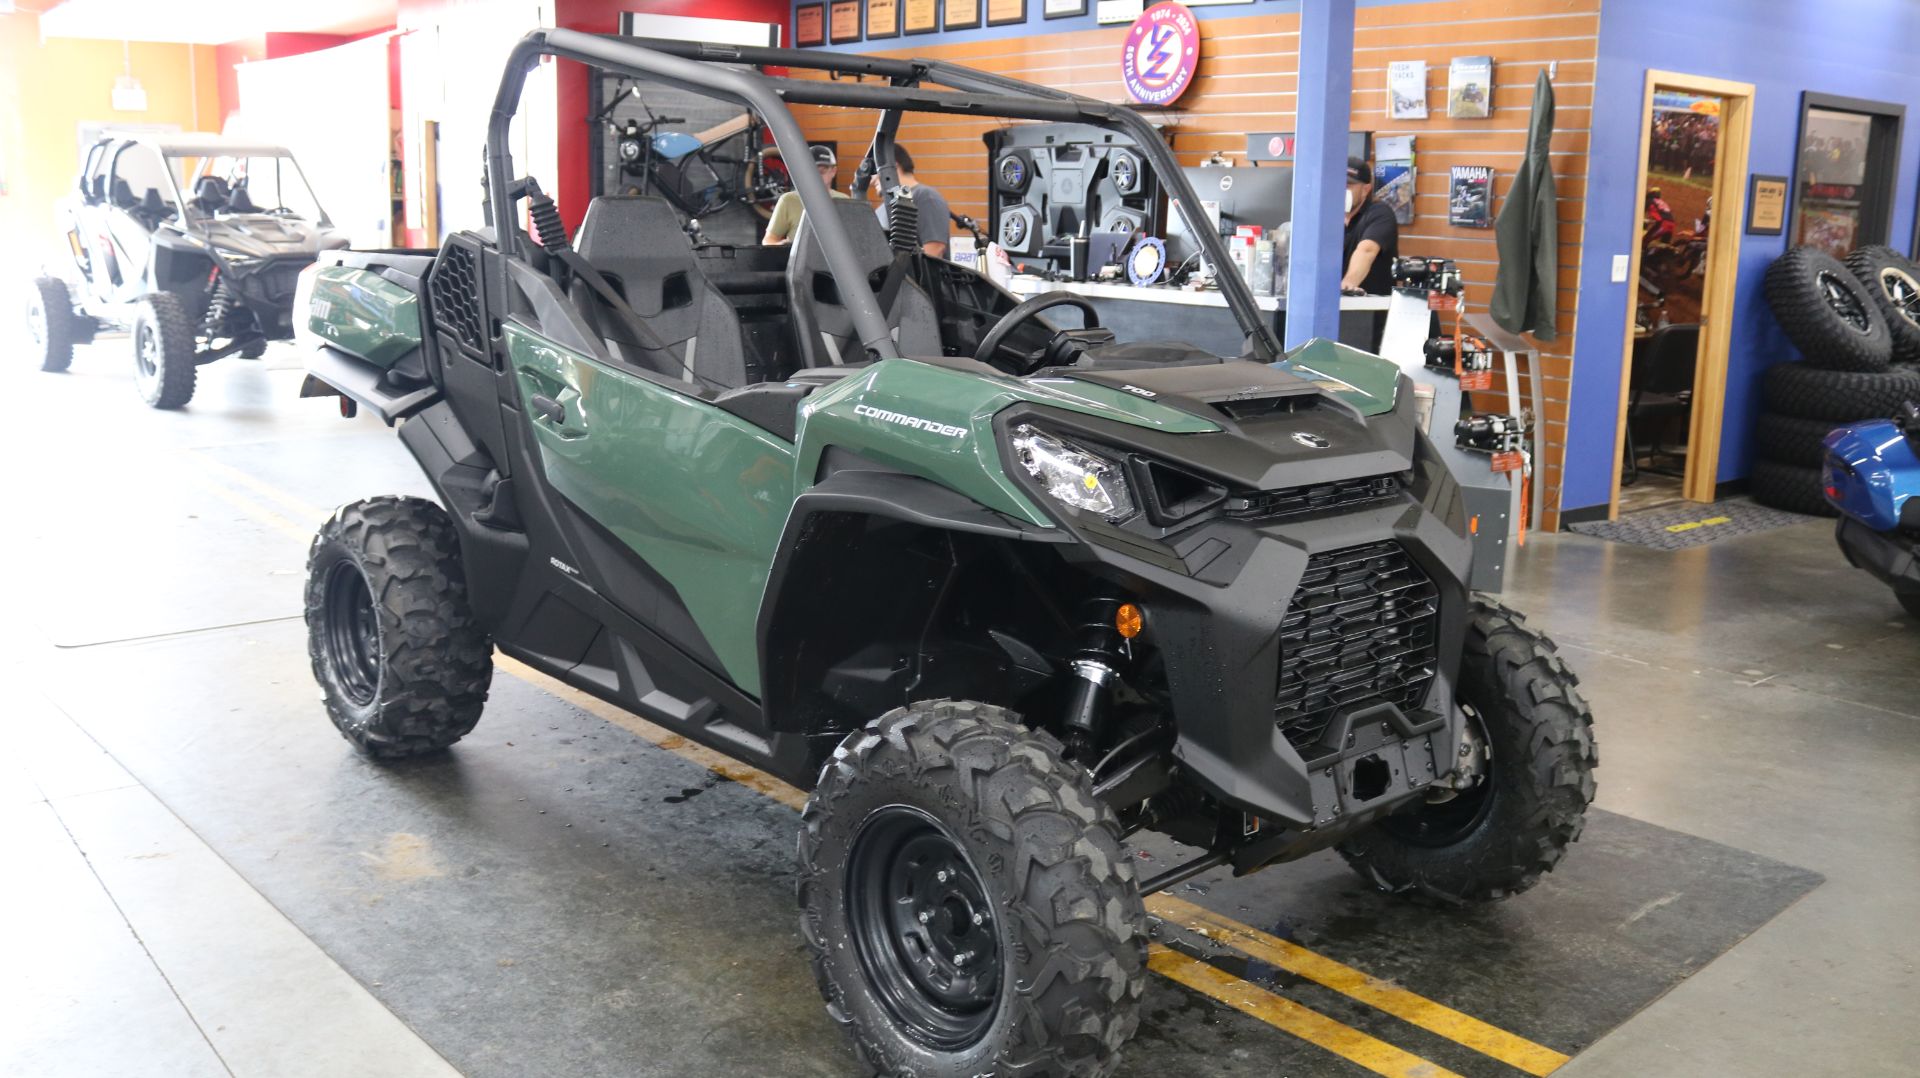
(1357,170)
(824,158)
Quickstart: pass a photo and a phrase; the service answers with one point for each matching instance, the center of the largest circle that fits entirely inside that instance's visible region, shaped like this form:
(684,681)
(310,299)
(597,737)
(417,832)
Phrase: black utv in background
(193,243)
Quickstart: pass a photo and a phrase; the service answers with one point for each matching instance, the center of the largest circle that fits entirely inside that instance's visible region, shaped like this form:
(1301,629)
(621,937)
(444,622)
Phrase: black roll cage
(705,67)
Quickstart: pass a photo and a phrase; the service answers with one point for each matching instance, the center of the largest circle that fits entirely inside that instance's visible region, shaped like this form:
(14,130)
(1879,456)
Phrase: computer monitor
(1244,196)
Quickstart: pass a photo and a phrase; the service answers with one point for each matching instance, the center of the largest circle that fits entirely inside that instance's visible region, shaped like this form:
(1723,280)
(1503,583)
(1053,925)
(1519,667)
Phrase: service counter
(1200,318)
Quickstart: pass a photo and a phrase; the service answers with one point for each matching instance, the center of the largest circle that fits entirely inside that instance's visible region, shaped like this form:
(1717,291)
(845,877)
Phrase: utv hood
(261,235)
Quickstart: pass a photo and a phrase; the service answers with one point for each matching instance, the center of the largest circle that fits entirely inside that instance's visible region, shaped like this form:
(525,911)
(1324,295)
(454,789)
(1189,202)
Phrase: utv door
(678,505)
(136,169)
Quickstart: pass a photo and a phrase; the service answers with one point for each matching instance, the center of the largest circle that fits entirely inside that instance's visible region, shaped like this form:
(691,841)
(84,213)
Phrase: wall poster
(1006,12)
(845,22)
(1767,206)
(923,16)
(810,25)
(962,14)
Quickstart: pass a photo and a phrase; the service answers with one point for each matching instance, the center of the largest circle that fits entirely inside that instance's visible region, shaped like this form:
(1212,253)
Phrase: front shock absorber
(1102,649)
(219,303)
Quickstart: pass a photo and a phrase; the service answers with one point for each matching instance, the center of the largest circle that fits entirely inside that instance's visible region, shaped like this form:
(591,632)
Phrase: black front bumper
(1895,560)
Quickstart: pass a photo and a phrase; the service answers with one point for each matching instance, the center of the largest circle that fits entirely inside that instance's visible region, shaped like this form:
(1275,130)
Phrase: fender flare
(870,492)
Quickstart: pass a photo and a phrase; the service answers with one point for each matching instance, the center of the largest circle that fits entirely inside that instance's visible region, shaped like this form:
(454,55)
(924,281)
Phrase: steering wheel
(996,338)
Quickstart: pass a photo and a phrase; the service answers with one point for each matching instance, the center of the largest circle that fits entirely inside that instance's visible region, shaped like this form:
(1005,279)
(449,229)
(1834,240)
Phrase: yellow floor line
(1515,1051)
(298,507)
(1303,1022)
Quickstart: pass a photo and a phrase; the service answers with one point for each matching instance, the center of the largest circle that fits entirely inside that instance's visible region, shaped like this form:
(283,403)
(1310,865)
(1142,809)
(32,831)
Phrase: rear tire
(1787,440)
(1894,284)
(165,353)
(967,902)
(50,323)
(1839,397)
(402,664)
(1827,313)
(1791,487)
(1497,838)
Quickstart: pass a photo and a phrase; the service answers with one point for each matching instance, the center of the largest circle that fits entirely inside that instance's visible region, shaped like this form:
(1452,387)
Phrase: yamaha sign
(1161,53)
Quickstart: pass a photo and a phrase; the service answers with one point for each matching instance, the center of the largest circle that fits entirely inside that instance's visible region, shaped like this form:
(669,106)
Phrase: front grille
(1360,630)
(1314,498)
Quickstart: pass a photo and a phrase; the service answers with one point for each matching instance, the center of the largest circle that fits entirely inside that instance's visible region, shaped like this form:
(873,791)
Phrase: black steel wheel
(1827,313)
(50,323)
(923,926)
(1527,769)
(402,664)
(351,632)
(966,900)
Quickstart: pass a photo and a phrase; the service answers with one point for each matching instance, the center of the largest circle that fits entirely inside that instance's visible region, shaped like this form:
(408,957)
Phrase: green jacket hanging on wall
(1527,235)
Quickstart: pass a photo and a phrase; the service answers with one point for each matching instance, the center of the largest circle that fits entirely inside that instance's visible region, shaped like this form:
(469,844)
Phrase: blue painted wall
(1855,48)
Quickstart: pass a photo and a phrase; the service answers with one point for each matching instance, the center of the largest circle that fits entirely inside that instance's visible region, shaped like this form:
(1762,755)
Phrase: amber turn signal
(1127,619)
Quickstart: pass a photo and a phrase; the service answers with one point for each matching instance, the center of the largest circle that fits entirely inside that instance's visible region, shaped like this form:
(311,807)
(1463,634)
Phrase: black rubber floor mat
(1689,525)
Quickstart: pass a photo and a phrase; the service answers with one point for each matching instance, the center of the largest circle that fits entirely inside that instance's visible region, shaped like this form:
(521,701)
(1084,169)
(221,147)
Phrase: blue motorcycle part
(1872,474)
(673,145)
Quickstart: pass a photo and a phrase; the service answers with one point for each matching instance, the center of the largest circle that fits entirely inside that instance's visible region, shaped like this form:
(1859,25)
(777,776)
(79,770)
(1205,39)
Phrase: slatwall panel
(1247,82)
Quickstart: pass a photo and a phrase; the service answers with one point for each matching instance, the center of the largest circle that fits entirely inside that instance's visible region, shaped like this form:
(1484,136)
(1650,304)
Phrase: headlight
(1073,475)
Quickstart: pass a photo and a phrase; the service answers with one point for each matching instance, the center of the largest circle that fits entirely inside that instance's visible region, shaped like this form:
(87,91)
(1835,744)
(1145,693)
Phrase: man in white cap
(788,211)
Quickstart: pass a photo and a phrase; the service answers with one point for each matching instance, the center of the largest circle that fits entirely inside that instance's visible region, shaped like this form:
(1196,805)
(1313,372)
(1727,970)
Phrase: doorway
(1692,191)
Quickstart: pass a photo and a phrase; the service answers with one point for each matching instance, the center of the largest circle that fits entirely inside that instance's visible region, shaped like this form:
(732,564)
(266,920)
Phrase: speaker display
(1051,183)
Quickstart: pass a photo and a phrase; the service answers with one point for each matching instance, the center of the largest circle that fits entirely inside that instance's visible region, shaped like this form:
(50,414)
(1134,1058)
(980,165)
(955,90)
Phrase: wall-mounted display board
(922,16)
(883,18)
(810,25)
(844,21)
(1063,9)
(1006,12)
(1767,206)
(962,14)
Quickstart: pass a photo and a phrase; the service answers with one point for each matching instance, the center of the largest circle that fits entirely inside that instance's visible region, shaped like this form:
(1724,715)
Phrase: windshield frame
(928,86)
(207,162)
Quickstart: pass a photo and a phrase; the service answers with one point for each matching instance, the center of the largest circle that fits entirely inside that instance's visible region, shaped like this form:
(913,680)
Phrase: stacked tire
(1858,325)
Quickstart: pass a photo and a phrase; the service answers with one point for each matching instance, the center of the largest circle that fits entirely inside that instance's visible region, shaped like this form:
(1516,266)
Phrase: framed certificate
(844,21)
(1063,9)
(1006,12)
(1767,206)
(962,14)
(810,25)
(883,18)
(923,16)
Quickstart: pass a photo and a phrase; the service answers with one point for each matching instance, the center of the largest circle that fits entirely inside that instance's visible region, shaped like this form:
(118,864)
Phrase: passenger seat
(822,325)
(638,243)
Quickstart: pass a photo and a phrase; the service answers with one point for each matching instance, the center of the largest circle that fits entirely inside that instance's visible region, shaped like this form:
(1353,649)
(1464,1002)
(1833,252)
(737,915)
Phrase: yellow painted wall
(47,89)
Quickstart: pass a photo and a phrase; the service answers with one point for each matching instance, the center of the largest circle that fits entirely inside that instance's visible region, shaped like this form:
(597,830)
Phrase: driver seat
(210,194)
(822,325)
(238,201)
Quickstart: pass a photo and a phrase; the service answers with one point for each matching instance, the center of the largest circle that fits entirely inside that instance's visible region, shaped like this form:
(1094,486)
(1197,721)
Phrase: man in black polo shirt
(1373,236)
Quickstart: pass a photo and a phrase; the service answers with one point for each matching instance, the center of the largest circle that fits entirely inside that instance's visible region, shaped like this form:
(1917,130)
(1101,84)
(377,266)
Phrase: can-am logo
(1311,441)
(913,421)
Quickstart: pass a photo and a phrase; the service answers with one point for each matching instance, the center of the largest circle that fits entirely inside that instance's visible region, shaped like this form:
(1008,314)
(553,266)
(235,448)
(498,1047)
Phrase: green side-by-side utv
(998,594)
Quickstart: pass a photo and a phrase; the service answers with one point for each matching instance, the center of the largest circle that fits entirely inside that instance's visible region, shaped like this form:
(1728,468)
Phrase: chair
(638,243)
(1660,388)
(822,325)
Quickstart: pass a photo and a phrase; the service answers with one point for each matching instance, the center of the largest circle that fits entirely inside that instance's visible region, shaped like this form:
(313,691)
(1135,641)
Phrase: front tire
(1496,839)
(165,354)
(402,664)
(966,900)
(50,323)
